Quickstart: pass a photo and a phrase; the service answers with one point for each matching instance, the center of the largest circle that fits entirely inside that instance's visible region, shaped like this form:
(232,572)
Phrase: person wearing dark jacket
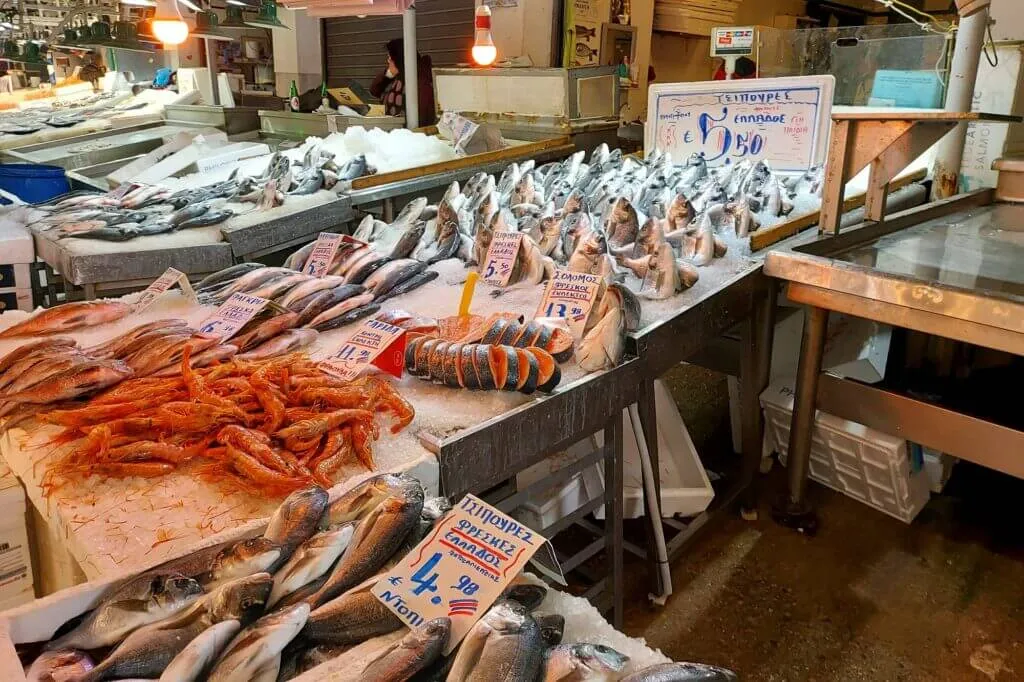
(389,86)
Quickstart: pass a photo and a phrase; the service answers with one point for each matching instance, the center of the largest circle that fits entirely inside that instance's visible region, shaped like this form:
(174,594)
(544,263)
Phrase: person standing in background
(389,86)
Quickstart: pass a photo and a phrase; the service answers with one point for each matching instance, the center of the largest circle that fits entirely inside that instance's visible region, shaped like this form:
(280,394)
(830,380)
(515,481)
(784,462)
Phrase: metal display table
(481,458)
(950,268)
(748,300)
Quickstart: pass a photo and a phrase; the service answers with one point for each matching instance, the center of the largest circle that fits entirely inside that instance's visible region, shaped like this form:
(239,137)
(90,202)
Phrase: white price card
(570,295)
(374,343)
(162,284)
(501,257)
(320,258)
(232,315)
(460,569)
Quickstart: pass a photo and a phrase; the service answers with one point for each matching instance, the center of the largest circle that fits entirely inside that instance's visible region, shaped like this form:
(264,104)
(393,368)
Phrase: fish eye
(248,603)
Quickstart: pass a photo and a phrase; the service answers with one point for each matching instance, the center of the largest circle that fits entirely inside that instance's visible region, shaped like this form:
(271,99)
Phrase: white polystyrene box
(867,465)
(16,299)
(15,244)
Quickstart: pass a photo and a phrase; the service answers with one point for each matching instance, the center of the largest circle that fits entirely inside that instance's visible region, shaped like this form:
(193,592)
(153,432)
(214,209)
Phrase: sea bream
(583,663)
(254,655)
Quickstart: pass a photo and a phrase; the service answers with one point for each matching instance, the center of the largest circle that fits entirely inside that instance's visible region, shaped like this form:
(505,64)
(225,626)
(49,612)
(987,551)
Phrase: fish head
(362,499)
(506,617)
(550,226)
(302,508)
(435,507)
(436,629)
(599,658)
(242,599)
(446,213)
(245,557)
(528,595)
(171,592)
(596,242)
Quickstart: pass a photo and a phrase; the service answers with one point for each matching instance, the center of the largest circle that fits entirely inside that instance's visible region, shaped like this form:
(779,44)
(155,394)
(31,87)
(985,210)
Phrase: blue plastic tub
(33,183)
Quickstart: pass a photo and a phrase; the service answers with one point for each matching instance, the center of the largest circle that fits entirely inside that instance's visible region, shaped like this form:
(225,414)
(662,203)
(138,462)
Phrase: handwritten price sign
(501,258)
(784,121)
(162,284)
(460,568)
(570,295)
(320,257)
(232,315)
(374,343)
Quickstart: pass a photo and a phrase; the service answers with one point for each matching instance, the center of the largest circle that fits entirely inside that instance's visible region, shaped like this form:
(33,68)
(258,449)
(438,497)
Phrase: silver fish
(352,618)
(376,538)
(583,663)
(198,656)
(327,299)
(413,653)
(506,644)
(282,344)
(295,520)
(255,652)
(142,600)
(148,651)
(240,559)
(682,672)
(311,560)
(390,275)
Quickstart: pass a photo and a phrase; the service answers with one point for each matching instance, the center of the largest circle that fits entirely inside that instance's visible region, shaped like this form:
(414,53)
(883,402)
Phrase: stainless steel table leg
(649,421)
(793,510)
(388,209)
(90,291)
(758,337)
(613,504)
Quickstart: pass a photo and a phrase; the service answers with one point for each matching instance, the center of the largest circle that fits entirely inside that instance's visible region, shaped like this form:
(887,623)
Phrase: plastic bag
(470,138)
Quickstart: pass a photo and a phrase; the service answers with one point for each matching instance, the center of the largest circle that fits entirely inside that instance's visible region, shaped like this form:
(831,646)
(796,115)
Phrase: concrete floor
(869,598)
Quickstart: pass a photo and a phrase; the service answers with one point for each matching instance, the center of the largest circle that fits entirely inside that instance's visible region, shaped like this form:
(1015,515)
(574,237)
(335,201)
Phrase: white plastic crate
(862,463)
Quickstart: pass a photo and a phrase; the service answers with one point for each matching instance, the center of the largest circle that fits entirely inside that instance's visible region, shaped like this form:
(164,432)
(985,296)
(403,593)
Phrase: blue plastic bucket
(33,183)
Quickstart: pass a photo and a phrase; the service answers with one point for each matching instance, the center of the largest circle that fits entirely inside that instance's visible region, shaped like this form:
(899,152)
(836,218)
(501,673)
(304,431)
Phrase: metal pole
(211,64)
(963,72)
(411,75)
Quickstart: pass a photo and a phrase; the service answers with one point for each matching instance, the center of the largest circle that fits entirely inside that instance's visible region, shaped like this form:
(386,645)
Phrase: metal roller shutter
(354,48)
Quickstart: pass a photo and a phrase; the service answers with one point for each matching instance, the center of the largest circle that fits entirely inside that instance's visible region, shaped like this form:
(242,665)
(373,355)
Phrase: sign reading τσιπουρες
(783,121)
(570,295)
(232,315)
(162,284)
(460,569)
(374,343)
(501,258)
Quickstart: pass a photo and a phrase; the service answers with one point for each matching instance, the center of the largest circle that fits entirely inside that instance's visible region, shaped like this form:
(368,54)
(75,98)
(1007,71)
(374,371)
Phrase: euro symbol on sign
(395,580)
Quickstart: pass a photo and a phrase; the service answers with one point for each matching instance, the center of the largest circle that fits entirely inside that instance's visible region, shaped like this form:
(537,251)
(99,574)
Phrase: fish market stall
(40,123)
(244,578)
(294,125)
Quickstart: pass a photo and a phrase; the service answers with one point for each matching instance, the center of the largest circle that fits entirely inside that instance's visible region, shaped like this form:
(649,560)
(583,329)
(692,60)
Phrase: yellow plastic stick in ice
(467,293)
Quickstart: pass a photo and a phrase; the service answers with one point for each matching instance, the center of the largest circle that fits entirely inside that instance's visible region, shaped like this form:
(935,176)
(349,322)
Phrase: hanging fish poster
(783,121)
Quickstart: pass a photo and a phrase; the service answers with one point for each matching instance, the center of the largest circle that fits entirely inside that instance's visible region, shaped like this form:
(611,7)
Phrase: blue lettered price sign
(232,315)
(570,295)
(460,568)
(784,121)
(374,343)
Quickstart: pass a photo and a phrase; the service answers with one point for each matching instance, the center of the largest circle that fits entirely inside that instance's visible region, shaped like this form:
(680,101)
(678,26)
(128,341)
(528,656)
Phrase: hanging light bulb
(170,31)
(484,51)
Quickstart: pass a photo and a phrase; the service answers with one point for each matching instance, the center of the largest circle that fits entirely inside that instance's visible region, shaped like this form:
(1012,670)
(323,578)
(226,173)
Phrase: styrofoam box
(15,558)
(545,508)
(16,299)
(862,463)
(685,488)
(16,246)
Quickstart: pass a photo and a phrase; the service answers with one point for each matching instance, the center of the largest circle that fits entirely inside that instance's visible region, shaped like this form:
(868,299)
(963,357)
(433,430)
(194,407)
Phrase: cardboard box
(15,560)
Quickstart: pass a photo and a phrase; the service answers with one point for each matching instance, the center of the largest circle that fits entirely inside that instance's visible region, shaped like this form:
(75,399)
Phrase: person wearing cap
(389,86)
